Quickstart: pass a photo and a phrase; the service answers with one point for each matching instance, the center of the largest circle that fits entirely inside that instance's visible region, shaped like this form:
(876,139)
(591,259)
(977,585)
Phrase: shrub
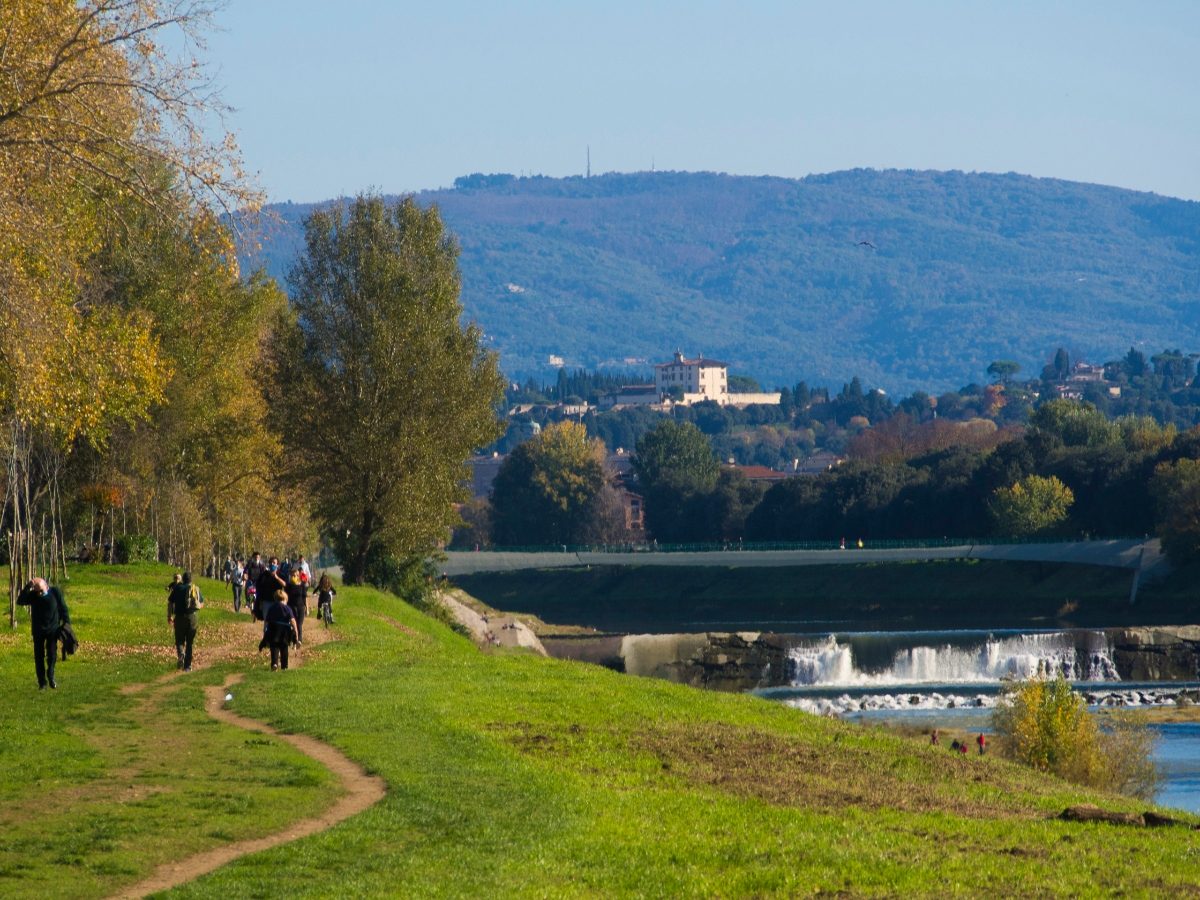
(135,548)
(1046,725)
(413,579)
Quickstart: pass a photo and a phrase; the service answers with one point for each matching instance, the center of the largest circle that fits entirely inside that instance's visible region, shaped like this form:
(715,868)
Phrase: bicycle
(325,610)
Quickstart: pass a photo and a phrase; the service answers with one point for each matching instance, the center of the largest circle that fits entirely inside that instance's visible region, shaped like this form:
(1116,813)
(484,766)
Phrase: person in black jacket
(183,602)
(279,629)
(267,584)
(297,601)
(47,613)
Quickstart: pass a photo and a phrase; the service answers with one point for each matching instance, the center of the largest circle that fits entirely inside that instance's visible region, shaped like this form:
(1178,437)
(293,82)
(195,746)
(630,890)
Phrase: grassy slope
(952,593)
(513,774)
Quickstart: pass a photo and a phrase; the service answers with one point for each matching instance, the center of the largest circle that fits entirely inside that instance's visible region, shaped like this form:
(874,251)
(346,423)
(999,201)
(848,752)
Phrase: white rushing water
(1076,657)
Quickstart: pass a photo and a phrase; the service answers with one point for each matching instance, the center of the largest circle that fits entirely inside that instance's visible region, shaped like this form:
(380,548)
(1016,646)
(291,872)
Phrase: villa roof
(701,361)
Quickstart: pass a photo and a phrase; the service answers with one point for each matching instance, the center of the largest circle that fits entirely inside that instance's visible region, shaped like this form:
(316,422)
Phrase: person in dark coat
(279,630)
(183,603)
(265,587)
(47,613)
(297,600)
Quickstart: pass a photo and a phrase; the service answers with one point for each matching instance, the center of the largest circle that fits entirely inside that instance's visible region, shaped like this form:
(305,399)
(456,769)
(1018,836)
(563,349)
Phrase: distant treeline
(1070,472)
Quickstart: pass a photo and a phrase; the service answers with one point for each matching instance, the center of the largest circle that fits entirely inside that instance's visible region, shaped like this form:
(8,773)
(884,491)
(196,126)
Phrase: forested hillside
(912,280)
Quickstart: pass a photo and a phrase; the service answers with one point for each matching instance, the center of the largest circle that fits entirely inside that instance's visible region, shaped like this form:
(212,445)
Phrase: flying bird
(867,244)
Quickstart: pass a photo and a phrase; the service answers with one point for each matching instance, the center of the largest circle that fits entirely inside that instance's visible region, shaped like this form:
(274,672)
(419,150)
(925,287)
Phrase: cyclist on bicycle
(325,594)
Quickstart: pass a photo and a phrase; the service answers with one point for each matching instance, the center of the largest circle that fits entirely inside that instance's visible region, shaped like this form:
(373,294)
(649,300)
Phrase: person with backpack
(47,614)
(237,579)
(279,630)
(183,603)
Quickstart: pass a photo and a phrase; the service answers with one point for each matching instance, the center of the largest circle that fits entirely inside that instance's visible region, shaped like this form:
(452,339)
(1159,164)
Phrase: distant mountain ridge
(910,279)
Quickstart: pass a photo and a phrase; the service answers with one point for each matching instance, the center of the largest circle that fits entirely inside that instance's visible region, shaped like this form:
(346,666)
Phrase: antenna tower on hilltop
(589,161)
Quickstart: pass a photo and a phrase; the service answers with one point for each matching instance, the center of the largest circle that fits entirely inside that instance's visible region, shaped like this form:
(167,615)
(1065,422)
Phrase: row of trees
(809,419)
(127,339)
(146,387)
(1071,472)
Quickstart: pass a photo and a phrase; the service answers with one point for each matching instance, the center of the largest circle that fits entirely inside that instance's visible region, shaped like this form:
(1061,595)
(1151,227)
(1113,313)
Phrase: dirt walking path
(361,791)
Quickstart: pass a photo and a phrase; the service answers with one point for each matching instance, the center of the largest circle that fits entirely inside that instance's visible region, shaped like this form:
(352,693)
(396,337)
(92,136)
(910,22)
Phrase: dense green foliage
(676,473)
(1071,472)
(1175,488)
(953,491)
(969,269)
(553,490)
(507,774)
(386,391)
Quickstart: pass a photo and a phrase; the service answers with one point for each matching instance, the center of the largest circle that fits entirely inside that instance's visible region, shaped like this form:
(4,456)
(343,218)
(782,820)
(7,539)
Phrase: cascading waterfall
(1077,657)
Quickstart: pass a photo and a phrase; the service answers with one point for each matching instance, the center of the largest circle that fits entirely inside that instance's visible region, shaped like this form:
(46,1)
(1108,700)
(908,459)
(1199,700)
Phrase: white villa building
(703,379)
(700,379)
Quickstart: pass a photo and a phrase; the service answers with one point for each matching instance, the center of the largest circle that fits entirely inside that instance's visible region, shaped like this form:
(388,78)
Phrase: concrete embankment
(1142,555)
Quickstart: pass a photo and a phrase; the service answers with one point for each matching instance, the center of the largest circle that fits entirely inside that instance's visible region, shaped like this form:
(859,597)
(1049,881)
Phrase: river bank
(891,596)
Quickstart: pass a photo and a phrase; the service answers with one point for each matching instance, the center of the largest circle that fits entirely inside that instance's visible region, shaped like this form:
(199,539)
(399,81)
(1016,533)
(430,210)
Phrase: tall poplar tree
(382,392)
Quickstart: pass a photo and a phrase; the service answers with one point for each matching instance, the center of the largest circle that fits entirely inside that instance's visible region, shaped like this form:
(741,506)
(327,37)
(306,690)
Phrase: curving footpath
(362,792)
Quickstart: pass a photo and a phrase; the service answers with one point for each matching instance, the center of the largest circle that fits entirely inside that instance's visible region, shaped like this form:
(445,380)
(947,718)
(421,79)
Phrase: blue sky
(335,98)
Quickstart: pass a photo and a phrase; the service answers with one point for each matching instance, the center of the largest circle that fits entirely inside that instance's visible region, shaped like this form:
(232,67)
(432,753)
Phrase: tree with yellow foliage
(1045,724)
(99,125)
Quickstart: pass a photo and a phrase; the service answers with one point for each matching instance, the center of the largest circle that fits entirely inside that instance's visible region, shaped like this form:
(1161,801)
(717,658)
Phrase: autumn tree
(1031,506)
(379,390)
(550,489)
(95,116)
(1046,725)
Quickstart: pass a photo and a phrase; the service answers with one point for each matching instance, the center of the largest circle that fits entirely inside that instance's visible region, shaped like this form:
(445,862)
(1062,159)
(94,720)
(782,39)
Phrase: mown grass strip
(510,774)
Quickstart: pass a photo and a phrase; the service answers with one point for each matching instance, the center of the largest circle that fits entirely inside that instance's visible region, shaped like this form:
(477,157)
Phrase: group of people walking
(276,594)
(957,746)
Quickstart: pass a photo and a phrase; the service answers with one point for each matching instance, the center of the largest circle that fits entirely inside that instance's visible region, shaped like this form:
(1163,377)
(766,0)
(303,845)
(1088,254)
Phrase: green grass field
(507,773)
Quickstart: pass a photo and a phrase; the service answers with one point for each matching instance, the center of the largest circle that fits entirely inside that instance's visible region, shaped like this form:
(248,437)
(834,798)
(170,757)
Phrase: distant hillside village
(1080,450)
(681,382)
(770,436)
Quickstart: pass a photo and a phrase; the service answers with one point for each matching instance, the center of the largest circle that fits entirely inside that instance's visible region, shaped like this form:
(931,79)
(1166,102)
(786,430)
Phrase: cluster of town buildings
(1083,374)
